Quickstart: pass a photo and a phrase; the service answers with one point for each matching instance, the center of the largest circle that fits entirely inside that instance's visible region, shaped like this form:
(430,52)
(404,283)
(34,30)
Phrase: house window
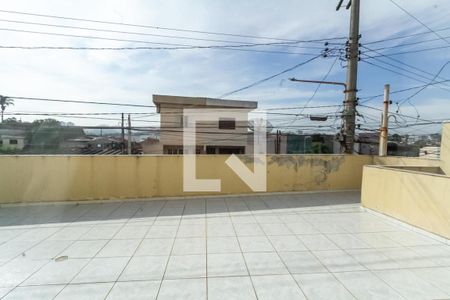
(229,124)
(13,142)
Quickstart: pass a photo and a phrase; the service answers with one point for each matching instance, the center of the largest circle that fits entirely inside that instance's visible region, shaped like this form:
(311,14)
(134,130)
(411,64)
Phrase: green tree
(5,102)
(396,138)
(11,121)
(46,135)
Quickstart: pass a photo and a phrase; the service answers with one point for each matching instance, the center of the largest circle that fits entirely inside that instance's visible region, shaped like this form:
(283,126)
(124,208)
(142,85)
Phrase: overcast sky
(133,76)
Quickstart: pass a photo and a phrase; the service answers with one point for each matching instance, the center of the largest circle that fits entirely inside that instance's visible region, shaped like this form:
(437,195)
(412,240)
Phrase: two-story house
(223,136)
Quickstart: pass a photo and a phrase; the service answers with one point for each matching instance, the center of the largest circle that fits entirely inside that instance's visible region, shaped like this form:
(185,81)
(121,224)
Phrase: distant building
(12,139)
(432,152)
(224,136)
(312,143)
(367,143)
(151,145)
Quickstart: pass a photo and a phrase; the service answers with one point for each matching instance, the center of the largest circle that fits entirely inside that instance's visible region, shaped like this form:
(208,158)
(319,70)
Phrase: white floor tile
(183,289)
(83,249)
(338,261)
(264,263)
(277,287)
(255,244)
(57,272)
(226,264)
(136,290)
(41,292)
(302,262)
(365,285)
(322,287)
(91,291)
(154,247)
(409,285)
(226,288)
(119,248)
(223,245)
(317,242)
(287,243)
(132,232)
(101,270)
(186,266)
(183,246)
(145,268)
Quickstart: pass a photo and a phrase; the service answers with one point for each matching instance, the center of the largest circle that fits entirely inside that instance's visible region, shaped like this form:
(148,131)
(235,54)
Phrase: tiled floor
(287,246)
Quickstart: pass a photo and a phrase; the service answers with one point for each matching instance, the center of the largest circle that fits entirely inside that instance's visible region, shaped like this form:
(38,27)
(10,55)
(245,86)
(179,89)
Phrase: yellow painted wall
(59,178)
(405,161)
(445,148)
(420,199)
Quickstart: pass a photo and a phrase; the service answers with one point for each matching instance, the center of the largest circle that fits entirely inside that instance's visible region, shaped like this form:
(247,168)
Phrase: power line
(319,85)
(404,36)
(79,101)
(446,88)
(148,106)
(173,46)
(396,113)
(415,51)
(231,48)
(270,77)
(400,68)
(422,23)
(392,71)
(398,61)
(165,28)
(408,44)
(425,86)
(317,89)
(283,44)
(369,98)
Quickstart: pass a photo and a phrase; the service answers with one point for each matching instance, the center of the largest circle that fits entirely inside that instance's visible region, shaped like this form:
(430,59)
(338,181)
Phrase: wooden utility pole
(382,148)
(349,114)
(129,134)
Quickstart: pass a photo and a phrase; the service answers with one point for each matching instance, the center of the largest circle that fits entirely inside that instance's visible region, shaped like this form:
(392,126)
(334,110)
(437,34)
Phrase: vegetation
(5,102)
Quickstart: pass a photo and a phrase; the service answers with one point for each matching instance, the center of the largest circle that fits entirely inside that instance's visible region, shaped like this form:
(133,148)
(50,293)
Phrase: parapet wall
(417,198)
(76,178)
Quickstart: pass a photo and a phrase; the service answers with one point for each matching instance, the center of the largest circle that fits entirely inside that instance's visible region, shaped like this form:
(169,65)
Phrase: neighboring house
(150,146)
(224,136)
(312,143)
(275,144)
(12,139)
(367,143)
(432,152)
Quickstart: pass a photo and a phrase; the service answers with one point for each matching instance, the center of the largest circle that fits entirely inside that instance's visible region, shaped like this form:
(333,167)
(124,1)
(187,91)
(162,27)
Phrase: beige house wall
(207,133)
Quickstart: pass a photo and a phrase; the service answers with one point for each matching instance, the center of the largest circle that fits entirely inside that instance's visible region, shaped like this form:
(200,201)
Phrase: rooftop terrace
(276,246)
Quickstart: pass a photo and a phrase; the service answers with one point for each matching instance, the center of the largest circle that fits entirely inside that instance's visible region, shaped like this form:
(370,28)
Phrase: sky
(133,76)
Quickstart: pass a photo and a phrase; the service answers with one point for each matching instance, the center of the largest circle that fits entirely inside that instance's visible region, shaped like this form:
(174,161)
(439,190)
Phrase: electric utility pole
(129,134)
(123,134)
(349,114)
(382,147)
